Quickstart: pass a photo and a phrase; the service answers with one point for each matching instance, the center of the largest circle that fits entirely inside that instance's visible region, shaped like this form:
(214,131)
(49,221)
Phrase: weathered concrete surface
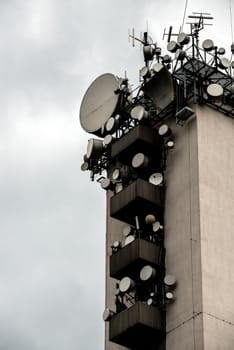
(187,336)
(199,235)
(216,189)
(182,240)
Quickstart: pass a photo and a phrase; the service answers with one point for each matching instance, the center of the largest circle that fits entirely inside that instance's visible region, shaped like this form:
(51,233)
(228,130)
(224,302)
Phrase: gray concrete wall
(182,240)
(199,237)
(216,188)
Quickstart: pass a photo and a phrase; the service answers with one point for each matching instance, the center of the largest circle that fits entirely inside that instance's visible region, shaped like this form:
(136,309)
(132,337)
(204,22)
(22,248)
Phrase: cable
(185,9)
(230,7)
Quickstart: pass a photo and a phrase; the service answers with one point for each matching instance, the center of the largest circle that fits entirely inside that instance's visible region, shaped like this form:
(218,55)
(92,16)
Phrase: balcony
(138,199)
(140,139)
(138,327)
(130,259)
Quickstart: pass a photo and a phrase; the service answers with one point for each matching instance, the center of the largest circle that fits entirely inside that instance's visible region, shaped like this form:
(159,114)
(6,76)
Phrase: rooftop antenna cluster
(169,82)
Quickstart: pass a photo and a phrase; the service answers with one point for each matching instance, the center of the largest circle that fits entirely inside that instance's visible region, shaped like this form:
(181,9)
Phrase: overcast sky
(52,217)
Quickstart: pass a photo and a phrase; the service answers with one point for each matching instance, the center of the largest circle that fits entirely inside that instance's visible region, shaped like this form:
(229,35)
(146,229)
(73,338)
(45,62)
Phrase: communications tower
(164,154)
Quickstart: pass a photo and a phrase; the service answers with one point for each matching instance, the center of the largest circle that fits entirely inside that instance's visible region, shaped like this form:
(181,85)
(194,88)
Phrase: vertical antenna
(169,34)
(230,8)
(141,38)
(133,37)
(185,10)
(137,223)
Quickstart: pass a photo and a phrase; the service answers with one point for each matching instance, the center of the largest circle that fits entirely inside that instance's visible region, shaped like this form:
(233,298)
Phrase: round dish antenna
(147,273)
(208,45)
(225,63)
(99,103)
(129,239)
(183,39)
(164,130)
(116,174)
(139,113)
(157,67)
(150,219)
(157,226)
(84,166)
(144,72)
(172,46)
(126,284)
(108,139)
(127,230)
(215,91)
(221,51)
(94,148)
(118,187)
(169,296)
(106,184)
(107,314)
(169,281)
(140,161)
(156,179)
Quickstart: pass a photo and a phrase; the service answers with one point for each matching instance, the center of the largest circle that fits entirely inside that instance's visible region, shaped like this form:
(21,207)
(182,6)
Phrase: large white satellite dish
(99,103)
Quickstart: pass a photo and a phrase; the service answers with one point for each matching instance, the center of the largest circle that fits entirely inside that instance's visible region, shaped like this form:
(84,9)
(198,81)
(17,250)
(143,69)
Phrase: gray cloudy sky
(52,218)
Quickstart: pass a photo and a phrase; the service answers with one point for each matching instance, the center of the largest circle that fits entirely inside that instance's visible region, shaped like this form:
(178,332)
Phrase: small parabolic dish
(126,284)
(215,91)
(170,281)
(110,125)
(156,226)
(116,244)
(172,46)
(170,144)
(164,130)
(84,166)
(116,174)
(108,139)
(129,239)
(118,187)
(107,314)
(225,63)
(183,39)
(147,273)
(156,179)
(139,160)
(127,229)
(169,296)
(144,71)
(139,113)
(150,301)
(99,103)
(221,51)
(208,45)
(106,183)
(150,219)
(94,148)
(157,67)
